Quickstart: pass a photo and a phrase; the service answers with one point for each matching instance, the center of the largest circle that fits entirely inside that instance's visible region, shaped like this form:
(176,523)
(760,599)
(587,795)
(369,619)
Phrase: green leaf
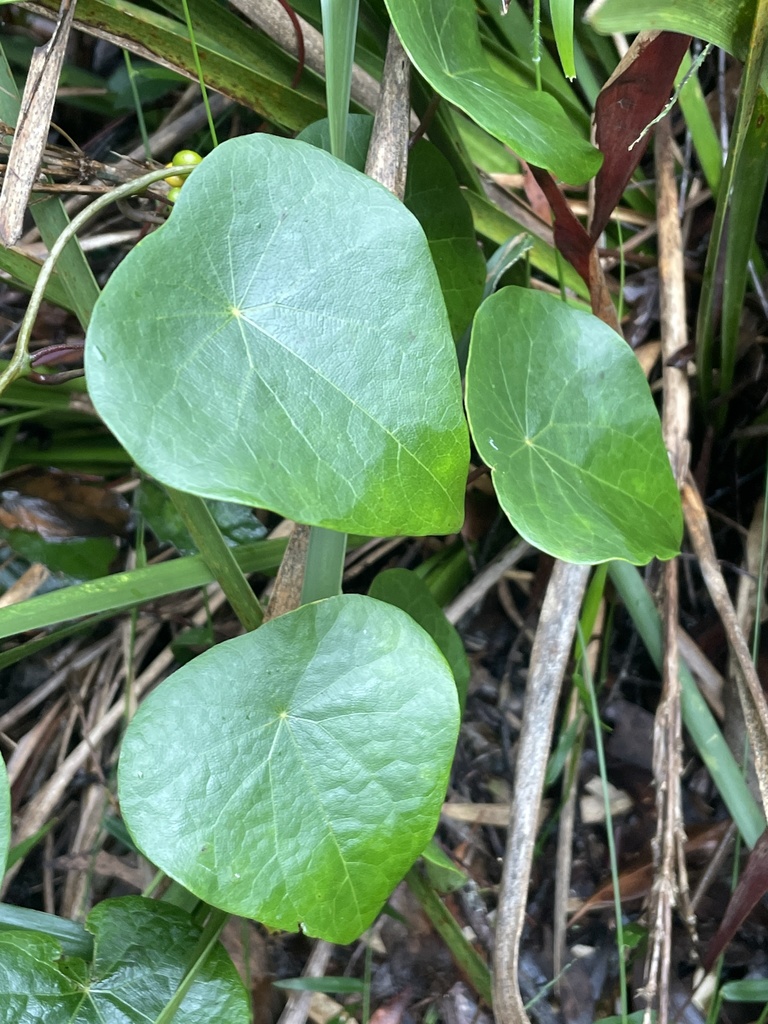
(141,953)
(339,32)
(747,990)
(294,774)
(325,984)
(5,817)
(123,590)
(359,128)
(442,39)
(294,347)
(404,589)
(434,198)
(561,411)
(238,524)
(562,24)
(79,558)
(442,873)
(726,23)
(258,78)
(72,937)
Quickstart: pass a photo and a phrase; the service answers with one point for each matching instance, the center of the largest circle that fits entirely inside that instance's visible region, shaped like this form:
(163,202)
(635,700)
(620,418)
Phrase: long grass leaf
(562,23)
(339,31)
(125,590)
(165,41)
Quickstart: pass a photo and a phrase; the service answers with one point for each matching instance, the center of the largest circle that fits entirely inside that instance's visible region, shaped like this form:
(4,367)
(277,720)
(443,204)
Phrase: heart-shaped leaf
(282,341)
(560,410)
(442,39)
(142,950)
(433,196)
(295,773)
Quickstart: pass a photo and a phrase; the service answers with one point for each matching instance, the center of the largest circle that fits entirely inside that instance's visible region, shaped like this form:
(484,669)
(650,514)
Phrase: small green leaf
(442,873)
(404,589)
(325,984)
(433,196)
(294,774)
(141,953)
(79,558)
(282,342)
(442,39)
(238,524)
(359,128)
(561,412)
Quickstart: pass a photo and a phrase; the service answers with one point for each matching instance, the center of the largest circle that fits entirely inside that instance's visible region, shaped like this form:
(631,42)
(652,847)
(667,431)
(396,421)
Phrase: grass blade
(339,31)
(218,557)
(127,589)
(562,24)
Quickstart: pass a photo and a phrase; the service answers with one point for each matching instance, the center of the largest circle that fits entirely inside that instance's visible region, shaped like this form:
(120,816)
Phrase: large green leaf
(142,950)
(295,773)
(443,41)
(282,341)
(561,412)
(433,196)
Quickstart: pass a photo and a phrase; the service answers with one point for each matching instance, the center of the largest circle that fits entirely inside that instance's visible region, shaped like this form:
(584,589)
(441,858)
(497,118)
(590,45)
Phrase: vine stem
(19,363)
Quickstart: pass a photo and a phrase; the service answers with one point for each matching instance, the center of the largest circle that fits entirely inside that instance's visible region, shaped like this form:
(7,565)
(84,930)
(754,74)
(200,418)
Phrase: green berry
(173,194)
(186,156)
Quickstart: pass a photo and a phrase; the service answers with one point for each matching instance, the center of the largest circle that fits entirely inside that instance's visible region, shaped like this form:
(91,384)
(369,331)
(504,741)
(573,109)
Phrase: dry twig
(549,657)
(33,126)
(671,880)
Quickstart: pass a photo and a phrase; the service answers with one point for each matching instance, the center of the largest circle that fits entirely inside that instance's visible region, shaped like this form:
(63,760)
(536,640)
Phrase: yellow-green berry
(173,194)
(174,180)
(186,156)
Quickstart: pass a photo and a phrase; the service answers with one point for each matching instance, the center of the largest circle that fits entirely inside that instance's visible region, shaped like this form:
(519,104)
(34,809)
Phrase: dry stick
(554,636)
(286,593)
(667,767)
(709,680)
(33,125)
(750,691)
(387,160)
(473,594)
(297,1007)
(746,609)
(670,883)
